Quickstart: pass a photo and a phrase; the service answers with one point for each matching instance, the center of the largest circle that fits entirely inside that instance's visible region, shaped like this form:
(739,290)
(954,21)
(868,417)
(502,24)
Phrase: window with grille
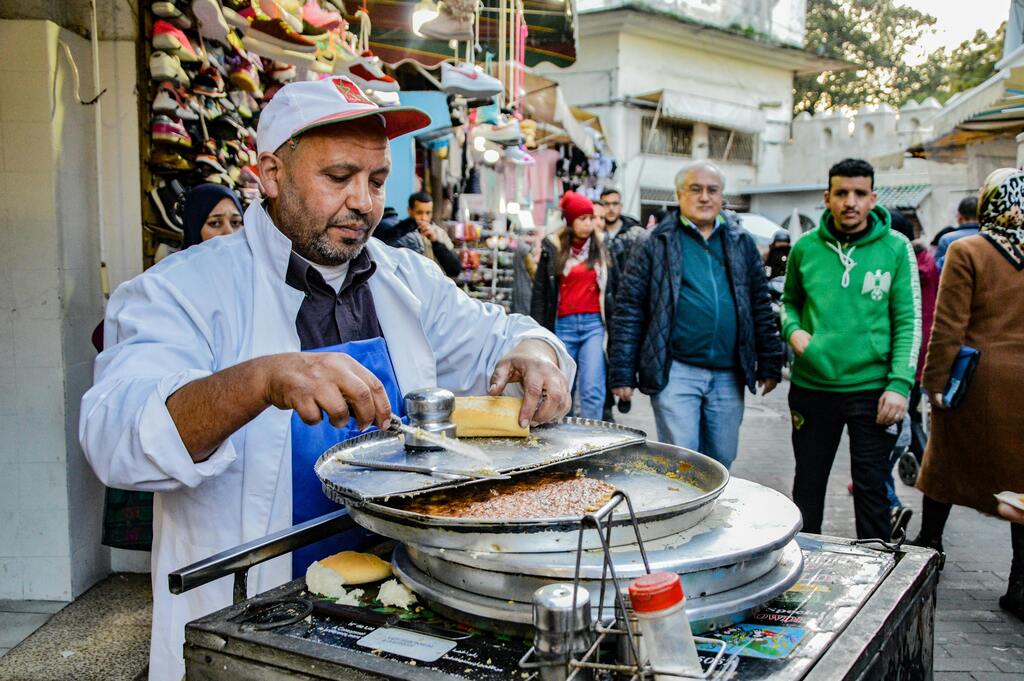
(730,145)
(670,138)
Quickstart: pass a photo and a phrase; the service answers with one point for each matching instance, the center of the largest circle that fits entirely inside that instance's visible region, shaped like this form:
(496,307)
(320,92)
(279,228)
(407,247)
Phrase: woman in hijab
(571,297)
(210,210)
(974,449)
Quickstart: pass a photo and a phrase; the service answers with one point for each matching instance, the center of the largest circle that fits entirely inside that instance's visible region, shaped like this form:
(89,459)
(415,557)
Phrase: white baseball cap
(300,106)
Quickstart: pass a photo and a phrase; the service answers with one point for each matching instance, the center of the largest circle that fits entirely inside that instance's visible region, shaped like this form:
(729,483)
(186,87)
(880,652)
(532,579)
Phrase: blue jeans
(701,409)
(583,335)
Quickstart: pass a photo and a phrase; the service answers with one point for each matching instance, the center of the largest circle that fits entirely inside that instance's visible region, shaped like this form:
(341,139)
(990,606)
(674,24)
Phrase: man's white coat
(211,307)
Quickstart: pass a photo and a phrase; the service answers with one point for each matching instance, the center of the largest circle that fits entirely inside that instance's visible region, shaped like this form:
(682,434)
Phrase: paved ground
(974,639)
(102,636)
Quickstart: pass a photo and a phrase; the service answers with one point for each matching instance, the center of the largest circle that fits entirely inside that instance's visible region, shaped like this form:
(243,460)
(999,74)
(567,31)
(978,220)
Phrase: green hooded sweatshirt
(861,303)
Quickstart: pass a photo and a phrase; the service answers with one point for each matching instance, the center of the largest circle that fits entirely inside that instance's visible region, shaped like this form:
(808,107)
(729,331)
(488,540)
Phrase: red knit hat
(574,205)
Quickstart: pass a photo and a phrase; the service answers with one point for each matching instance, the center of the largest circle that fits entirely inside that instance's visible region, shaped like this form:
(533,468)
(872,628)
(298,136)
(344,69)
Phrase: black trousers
(818,421)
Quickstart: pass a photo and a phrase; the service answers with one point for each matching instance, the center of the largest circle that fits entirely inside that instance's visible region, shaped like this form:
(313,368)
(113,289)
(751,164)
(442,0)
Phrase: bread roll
(357,568)
(488,417)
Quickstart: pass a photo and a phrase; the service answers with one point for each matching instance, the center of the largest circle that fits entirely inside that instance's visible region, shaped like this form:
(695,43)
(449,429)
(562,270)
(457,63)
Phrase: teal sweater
(860,302)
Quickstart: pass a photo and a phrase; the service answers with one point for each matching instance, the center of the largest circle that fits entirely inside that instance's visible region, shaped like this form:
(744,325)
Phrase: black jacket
(544,298)
(641,329)
(405,234)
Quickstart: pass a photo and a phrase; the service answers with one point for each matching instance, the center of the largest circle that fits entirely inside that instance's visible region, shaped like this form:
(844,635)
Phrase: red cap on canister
(655,591)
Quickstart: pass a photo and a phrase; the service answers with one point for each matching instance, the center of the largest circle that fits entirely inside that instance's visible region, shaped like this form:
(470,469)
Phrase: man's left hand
(891,408)
(767,385)
(534,364)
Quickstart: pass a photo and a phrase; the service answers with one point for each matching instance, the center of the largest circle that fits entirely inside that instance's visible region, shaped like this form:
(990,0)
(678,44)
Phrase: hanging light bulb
(424,11)
(479,143)
(491,156)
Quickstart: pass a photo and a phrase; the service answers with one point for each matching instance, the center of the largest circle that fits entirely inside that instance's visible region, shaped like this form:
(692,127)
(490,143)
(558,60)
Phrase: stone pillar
(50,301)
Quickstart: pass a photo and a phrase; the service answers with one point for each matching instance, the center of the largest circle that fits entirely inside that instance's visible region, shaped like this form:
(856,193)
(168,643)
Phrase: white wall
(629,54)
(120,184)
(50,502)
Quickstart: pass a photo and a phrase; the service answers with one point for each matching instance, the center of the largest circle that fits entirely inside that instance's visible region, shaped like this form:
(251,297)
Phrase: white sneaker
(469,81)
(212,24)
(519,156)
(366,72)
(507,133)
(446,27)
(383,98)
(163,66)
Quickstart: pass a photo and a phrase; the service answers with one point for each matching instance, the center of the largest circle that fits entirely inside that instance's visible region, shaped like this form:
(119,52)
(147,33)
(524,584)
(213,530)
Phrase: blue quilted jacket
(639,350)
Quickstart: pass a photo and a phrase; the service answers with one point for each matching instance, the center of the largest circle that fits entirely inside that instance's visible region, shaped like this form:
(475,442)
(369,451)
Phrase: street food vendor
(233,365)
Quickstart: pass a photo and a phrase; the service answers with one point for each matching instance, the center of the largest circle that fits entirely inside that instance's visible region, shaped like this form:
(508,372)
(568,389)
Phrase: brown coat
(977,449)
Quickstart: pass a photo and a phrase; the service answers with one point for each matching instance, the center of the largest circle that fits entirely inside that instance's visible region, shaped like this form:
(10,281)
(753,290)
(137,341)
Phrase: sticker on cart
(751,640)
(406,643)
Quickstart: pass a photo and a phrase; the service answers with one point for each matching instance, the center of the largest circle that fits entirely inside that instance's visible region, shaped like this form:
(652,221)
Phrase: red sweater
(578,292)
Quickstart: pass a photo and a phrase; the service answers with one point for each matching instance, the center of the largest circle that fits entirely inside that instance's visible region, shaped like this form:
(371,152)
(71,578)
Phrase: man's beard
(310,239)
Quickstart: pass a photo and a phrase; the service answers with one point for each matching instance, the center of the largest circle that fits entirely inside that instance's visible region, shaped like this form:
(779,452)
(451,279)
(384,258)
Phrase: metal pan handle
(238,560)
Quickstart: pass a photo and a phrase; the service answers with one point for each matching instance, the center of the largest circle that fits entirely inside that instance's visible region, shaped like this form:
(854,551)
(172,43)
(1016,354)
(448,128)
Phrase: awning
(551,25)
(542,101)
(990,110)
(904,196)
(701,109)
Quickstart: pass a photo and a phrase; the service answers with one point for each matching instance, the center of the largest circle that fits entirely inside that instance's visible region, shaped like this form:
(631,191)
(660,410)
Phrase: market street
(974,639)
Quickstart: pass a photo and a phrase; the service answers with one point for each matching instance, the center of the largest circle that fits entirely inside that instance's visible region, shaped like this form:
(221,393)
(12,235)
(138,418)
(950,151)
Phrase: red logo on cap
(350,92)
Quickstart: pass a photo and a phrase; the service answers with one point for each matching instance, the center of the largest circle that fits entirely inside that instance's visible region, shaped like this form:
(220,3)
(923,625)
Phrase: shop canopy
(542,101)
(551,25)
(994,109)
(701,109)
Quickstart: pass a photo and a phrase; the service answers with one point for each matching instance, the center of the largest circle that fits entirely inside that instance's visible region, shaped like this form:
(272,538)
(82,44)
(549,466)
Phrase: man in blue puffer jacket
(693,322)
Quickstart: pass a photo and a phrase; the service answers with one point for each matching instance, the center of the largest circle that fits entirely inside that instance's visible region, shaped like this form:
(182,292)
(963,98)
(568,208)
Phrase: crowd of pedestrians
(683,311)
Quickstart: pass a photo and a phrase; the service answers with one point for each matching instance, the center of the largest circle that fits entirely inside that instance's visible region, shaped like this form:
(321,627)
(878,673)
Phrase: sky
(957,20)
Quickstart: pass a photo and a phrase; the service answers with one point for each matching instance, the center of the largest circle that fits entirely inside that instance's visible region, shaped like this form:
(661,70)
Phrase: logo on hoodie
(877,283)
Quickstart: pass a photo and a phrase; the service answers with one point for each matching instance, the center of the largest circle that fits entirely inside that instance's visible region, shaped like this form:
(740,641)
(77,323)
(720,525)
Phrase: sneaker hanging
(468,80)
(454,21)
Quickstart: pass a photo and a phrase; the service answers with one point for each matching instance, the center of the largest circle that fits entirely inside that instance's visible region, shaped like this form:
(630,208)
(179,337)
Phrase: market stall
(502,147)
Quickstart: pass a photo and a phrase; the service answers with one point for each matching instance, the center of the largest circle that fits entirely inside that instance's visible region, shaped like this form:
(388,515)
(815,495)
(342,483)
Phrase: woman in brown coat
(974,450)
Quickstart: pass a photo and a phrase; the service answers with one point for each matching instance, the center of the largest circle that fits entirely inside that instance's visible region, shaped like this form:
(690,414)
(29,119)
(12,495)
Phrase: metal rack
(619,625)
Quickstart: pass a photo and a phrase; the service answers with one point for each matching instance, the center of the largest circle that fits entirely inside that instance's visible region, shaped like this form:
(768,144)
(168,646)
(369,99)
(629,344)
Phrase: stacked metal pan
(731,541)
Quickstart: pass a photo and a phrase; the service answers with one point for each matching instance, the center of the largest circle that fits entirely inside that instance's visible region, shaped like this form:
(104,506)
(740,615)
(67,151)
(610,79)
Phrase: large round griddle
(706,613)
(739,541)
(671,488)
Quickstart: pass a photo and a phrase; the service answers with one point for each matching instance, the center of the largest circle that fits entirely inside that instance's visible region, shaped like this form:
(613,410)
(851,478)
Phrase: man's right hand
(427,230)
(331,382)
(623,393)
(799,340)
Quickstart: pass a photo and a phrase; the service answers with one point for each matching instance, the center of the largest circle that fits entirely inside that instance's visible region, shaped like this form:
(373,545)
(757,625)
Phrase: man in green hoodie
(851,313)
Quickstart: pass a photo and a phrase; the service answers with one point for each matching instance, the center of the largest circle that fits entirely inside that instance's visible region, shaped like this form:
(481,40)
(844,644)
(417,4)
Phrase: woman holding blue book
(976,434)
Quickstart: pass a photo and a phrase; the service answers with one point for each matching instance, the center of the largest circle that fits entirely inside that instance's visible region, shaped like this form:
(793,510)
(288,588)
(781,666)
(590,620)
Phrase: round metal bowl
(671,489)
(739,541)
(706,613)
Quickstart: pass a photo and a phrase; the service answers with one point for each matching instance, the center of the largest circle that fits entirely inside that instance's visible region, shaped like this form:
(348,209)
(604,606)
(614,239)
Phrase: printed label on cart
(407,644)
(749,640)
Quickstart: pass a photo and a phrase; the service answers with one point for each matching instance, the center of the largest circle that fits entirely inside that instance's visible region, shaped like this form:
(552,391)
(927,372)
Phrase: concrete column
(50,301)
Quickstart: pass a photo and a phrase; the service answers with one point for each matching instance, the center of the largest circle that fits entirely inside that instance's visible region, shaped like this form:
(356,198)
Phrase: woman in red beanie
(571,295)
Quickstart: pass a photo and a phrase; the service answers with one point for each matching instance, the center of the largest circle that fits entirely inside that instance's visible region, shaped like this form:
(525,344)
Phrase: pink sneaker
(172,39)
(316,19)
(169,130)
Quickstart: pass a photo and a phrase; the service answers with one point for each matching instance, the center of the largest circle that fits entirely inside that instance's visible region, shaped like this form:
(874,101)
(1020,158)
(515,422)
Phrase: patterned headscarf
(1001,213)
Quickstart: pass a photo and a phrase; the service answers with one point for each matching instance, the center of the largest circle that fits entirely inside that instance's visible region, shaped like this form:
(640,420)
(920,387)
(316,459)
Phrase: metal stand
(608,627)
